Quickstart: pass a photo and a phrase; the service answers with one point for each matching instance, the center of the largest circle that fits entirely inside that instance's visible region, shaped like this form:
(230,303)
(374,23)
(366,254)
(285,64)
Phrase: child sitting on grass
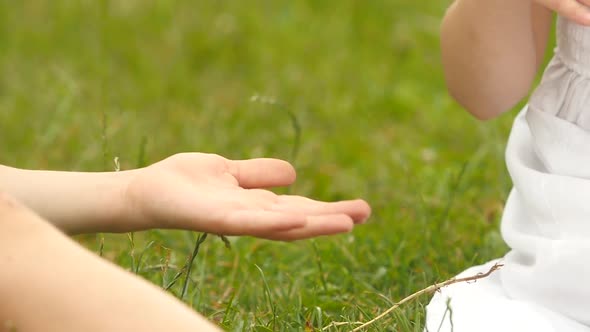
(491,52)
(49,283)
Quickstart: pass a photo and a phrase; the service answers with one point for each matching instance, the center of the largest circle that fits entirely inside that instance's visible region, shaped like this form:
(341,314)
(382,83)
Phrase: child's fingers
(576,10)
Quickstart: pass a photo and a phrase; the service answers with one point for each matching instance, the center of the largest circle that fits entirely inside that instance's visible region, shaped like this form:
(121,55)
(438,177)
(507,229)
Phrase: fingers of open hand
(358,210)
(315,226)
(262,172)
(289,218)
(260,222)
(575,10)
(286,226)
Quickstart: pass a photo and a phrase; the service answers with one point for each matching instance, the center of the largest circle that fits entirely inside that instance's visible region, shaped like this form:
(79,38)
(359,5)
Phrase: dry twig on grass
(428,290)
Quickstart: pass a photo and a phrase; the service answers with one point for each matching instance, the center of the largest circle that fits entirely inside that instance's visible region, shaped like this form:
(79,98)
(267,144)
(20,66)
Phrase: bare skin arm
(193,191)
(49,283)
(492,50)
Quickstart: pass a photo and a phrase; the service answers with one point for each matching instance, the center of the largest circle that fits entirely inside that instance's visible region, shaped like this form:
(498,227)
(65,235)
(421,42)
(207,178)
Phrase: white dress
(545,282)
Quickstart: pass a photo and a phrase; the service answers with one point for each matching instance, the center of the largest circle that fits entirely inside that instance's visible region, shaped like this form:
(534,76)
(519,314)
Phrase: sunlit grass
(85,82)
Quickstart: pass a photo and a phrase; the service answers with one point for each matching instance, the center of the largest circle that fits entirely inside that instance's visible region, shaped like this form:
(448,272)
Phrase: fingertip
(363,211)
(364,205)
(283,173)
(289,170)
(367,210)
(348,226)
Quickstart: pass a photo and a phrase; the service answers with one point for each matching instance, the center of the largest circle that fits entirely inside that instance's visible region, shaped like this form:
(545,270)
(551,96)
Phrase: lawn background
(83,82)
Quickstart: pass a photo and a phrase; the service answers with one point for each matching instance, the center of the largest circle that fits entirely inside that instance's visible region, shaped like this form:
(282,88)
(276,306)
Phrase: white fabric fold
(545,282)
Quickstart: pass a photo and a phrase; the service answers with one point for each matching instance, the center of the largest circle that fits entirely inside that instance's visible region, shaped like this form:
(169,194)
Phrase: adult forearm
(75,202)
(490,53)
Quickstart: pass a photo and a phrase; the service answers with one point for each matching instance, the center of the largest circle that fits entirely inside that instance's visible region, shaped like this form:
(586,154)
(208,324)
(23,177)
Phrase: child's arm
(49,283)
(194,191)
(491,50)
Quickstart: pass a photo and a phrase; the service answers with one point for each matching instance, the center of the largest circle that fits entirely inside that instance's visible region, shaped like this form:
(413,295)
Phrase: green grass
(84,82)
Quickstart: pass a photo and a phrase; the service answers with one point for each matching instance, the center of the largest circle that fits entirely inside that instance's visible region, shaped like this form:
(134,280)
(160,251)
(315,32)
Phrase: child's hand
(575,10)
(205,192)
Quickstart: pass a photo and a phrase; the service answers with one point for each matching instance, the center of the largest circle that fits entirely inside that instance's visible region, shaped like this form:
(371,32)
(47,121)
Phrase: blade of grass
(140,258)
(268,297)
(319,264)
(202,237)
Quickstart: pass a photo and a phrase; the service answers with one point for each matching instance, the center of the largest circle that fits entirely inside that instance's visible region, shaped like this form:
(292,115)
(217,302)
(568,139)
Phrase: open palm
(208,193)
